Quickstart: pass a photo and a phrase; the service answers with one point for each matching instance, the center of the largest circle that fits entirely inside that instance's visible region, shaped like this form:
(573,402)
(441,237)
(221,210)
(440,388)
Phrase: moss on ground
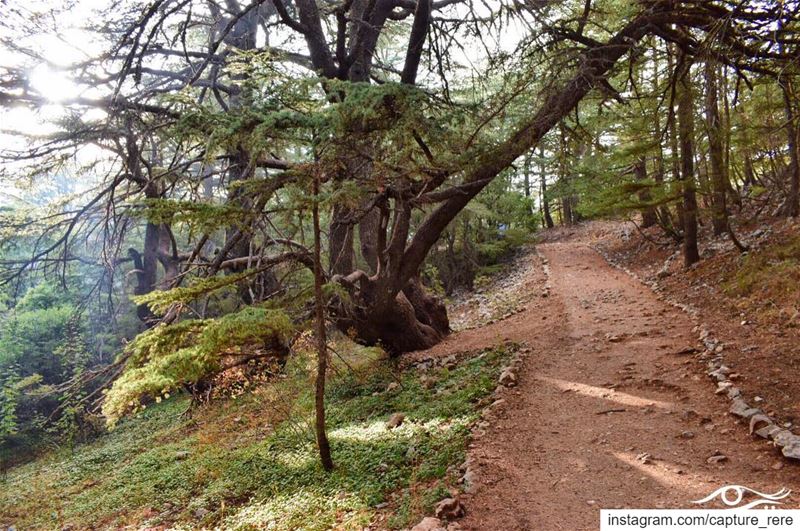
(250,462)
(769,278)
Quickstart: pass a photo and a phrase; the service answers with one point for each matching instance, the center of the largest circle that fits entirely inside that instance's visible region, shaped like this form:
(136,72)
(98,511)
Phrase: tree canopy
(192,142)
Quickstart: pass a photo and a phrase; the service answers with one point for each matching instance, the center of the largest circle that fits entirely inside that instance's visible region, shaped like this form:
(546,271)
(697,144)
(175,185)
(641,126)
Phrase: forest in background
(225,185)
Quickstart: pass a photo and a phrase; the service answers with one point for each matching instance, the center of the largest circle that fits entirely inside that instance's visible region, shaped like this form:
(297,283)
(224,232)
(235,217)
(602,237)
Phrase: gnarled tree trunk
(385,307)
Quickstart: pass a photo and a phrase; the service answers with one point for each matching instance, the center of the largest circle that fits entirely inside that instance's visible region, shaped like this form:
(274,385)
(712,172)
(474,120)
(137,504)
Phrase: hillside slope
(249,462)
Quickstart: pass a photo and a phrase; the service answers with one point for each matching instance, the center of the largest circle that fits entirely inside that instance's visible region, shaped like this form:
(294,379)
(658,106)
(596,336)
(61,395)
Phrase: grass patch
(769,278)
(250,462)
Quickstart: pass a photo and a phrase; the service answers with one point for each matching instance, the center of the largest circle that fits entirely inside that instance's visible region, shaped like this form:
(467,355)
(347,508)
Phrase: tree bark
(719,174)
(240,168)
(322,342)
(566,208)
(672,130)
(383,308)
(792,207)
(526,176)
(648,212)
(548,218)
(663,210)
(340,244)
(691,254)
(157,242)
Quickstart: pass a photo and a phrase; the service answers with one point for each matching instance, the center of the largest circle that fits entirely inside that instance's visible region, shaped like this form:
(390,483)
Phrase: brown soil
(760,333)
(603,386)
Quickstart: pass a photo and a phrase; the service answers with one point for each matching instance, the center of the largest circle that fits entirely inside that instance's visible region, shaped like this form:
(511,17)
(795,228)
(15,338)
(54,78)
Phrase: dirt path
(603,386)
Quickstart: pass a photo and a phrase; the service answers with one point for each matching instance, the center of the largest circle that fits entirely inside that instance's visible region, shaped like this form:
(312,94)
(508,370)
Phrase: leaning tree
(221,114)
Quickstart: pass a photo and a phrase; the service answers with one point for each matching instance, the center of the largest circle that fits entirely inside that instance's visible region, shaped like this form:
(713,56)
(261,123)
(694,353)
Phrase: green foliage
(34,331)
(613,195)
(160,468)
(432,278)
(496,223)
(75,353)
(9,395)
(41,348)
(168,357)
(160,301)
(29,339)
(200,217)
(41,297)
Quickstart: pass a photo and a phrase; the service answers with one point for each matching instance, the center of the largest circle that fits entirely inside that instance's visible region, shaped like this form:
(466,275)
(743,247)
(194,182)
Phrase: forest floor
(611,408)
(609,411)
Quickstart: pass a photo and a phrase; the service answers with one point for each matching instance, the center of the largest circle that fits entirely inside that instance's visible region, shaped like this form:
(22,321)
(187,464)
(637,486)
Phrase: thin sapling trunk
(322,341)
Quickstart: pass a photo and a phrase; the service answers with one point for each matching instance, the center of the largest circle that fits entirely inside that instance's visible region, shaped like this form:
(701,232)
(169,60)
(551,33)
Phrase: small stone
(395,421)
(392,386)
(759,421)
(778,465)
(201,513)
(591,502)
(687,435)
(429,524)
(180,455)
(716,459)
(449,508)
(720,373)
(382,505)
(739,407)
(792,448)
(645,458)
(783,438)
(508,378)
(469,479)
(757,399)
(734,392)
(768,431)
